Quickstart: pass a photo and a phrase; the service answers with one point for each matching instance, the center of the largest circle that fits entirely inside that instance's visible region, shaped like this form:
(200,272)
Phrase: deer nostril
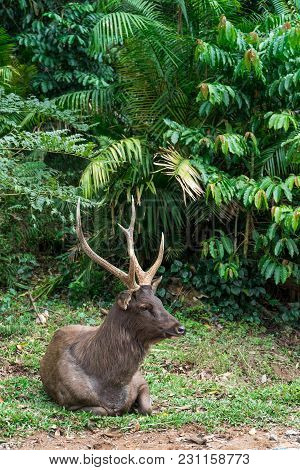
(181,330)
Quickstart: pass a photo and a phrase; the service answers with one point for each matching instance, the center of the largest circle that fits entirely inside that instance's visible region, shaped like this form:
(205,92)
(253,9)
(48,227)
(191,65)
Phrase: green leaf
(212,249)
(271,232)
(292,247)
(278,247)
(265,265)
(277,193)
(220,249)
(174,137)
(227,244)
(287,192)
(270,270)
(277,274)
(284,274)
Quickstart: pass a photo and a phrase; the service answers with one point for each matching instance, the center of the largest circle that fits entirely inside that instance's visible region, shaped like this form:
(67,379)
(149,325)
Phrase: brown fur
(97,368)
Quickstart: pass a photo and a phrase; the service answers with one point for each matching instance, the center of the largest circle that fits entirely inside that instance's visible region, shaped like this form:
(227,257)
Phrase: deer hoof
(96,410)
(145,409)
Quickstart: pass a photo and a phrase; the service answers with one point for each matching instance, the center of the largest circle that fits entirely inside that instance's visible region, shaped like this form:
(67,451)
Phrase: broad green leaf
(277,274)
(270,270)
(277,193)
(278,247)
(227,244)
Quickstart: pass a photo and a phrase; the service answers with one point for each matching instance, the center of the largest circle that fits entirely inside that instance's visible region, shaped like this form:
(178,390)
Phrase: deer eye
(144,307)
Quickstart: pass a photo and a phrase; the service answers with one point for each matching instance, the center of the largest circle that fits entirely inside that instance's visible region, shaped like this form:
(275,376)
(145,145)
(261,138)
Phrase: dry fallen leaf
(252,432)
(224,377)
(196,439)
(292,432)
(1,400)
(136,427)
(112,434)
(42,318)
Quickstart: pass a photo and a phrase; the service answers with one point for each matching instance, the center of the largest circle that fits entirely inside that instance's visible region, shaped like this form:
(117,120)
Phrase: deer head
(145,313)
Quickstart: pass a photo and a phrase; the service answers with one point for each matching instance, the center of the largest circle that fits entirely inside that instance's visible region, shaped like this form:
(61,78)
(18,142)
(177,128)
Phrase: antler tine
(127,279)
(145,278)
(128,232)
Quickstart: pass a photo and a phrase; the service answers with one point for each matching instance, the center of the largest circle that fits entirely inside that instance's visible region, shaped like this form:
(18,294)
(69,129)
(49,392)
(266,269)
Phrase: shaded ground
(187,437)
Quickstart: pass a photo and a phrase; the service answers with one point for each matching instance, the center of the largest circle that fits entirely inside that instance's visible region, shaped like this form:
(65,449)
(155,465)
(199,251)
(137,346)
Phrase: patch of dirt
(185,438)
(178,367)
(290,339)
(285,373)
(281,371)
(7,370)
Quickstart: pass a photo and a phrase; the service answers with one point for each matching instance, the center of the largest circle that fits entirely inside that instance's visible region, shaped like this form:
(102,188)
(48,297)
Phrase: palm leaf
(181,168)
(115,27)
(98,172)
(93,101)
(6,47)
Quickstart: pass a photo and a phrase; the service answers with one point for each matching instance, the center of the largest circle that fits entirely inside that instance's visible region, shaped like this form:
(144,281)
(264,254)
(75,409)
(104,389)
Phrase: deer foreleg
(144,401)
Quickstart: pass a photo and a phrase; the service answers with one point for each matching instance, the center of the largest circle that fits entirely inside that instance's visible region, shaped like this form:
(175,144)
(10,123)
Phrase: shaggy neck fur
(115,350)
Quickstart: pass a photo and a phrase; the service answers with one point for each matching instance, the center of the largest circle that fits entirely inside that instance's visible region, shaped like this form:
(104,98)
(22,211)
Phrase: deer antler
(144,278)
(127,279)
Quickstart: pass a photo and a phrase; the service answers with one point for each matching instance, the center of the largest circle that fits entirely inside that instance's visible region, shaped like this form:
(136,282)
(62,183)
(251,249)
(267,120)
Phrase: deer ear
(123,299)
(155,283)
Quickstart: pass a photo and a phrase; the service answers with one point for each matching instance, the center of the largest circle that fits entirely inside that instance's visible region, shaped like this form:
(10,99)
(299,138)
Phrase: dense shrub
(248,297)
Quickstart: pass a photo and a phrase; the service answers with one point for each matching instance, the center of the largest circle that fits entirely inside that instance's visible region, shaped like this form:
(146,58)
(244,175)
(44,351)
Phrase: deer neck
(114,352)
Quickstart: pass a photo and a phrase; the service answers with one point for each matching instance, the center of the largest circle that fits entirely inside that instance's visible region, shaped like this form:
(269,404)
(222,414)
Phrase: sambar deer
(97,368)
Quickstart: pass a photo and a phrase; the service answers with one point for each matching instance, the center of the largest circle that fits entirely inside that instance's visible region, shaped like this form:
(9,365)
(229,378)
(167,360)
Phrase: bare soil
(9,370)
(188,437)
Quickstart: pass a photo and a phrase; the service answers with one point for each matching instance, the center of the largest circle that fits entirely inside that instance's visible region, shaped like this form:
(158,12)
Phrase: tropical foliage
(189,105)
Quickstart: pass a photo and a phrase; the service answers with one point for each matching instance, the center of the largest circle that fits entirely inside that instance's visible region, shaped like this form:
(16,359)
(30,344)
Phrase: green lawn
(217,375)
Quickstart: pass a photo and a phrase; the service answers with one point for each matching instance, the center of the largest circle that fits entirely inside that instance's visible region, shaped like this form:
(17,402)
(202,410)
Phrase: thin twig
(33,303)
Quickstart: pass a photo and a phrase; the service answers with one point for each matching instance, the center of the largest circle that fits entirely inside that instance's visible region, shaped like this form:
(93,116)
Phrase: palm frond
(6,74)
(274,161)
(209,11)
(114,28)
(172,163)
(284,7)
(6,47)
(149,9)
(92,101)
(104,163)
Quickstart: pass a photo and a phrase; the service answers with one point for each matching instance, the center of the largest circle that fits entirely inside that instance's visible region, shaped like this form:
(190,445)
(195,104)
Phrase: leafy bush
(59,44)
(245,297)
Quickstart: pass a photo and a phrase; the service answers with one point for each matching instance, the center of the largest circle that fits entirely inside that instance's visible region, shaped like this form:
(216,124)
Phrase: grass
(217,375)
